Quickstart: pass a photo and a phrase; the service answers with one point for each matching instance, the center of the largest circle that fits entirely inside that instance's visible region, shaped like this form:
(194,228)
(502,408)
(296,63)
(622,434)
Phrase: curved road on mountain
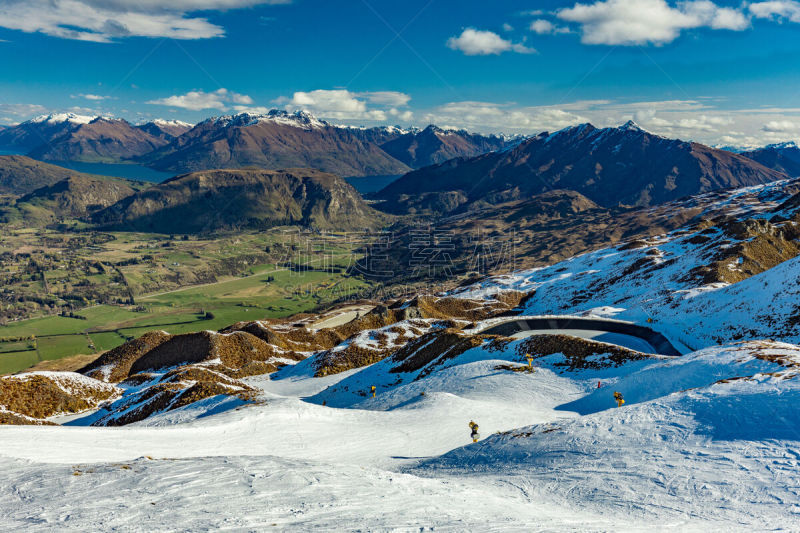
(626,334)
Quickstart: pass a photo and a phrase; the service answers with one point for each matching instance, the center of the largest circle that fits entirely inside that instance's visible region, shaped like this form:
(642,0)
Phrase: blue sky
(722,73)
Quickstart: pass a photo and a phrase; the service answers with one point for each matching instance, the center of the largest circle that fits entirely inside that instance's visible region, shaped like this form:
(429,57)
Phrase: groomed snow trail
(690,451)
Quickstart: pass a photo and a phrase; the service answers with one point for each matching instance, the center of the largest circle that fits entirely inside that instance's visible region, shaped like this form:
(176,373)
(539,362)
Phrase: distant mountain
(100,140)
(165,129)
(783,157)
(623,166)
(273,141)
(20,175)
(40,130)
(434,145)
(229,199)
(378,135)
(76,196)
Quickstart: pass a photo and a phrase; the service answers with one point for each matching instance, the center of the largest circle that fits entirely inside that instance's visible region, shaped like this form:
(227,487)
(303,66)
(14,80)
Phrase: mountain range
(784,157)
(71,137)
(272,140)
(435,145)
(624,166)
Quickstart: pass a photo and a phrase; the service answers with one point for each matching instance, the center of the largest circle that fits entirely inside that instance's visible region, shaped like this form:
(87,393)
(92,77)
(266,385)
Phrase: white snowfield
(688,452)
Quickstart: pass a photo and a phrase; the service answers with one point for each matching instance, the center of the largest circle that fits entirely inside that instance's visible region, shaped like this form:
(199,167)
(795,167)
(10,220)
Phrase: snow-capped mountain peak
(63,117)
(782,146)
(299,119)
(165,122)
(630,126)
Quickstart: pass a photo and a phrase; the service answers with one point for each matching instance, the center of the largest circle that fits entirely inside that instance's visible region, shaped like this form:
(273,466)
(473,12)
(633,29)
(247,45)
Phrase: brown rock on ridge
(45,394)
(228,199)
(115,365)
(613,167)
(158,350)
(274,141)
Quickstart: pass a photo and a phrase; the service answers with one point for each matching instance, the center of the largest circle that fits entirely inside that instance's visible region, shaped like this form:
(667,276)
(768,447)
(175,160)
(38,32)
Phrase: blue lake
(368,184)
(131,172)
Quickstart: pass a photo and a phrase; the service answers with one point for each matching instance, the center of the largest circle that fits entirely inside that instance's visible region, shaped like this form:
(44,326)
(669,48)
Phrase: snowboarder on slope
(619,398)
(474,427)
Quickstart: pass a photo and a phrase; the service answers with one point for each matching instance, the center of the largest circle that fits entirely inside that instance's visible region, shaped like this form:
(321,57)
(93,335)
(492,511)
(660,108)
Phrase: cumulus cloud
(637,22)
(106,20)
(545,27)
(474,42)
(342,104)
(392,98)
(777,9)
(197,100)
(94,97)
(781,126)
(488,116)
(13,112)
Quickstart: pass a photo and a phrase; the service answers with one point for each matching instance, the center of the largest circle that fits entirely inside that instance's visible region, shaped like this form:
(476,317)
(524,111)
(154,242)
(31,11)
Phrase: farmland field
(241,289)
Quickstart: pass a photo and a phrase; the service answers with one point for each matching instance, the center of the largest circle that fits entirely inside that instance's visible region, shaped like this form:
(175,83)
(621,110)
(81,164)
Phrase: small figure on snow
(373,391)
(619,398)
(475,436)
(529,357)
(599,385)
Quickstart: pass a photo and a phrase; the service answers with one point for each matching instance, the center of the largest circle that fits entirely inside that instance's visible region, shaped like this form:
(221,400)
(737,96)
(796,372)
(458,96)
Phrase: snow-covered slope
(722,454)
(716,448)
(731,275)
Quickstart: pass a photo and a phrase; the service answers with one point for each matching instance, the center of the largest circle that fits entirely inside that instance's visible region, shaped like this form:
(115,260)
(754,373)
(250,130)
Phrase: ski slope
(688,451)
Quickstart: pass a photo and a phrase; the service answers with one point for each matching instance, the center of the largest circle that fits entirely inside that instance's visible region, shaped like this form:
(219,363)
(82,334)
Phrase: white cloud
(197,100)
(90,96)
(488,116)
(637,22)
(507,27)
(241,99)
(21,111)
(405,116)
(545,27)
(781,126)
(778,9)
(253,110)
(342,104)
(106,20)
(392,98)
(474,42)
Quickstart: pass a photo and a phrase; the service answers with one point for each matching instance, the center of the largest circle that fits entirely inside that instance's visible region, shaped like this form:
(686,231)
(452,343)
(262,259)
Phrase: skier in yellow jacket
(619,398)
(474,427)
